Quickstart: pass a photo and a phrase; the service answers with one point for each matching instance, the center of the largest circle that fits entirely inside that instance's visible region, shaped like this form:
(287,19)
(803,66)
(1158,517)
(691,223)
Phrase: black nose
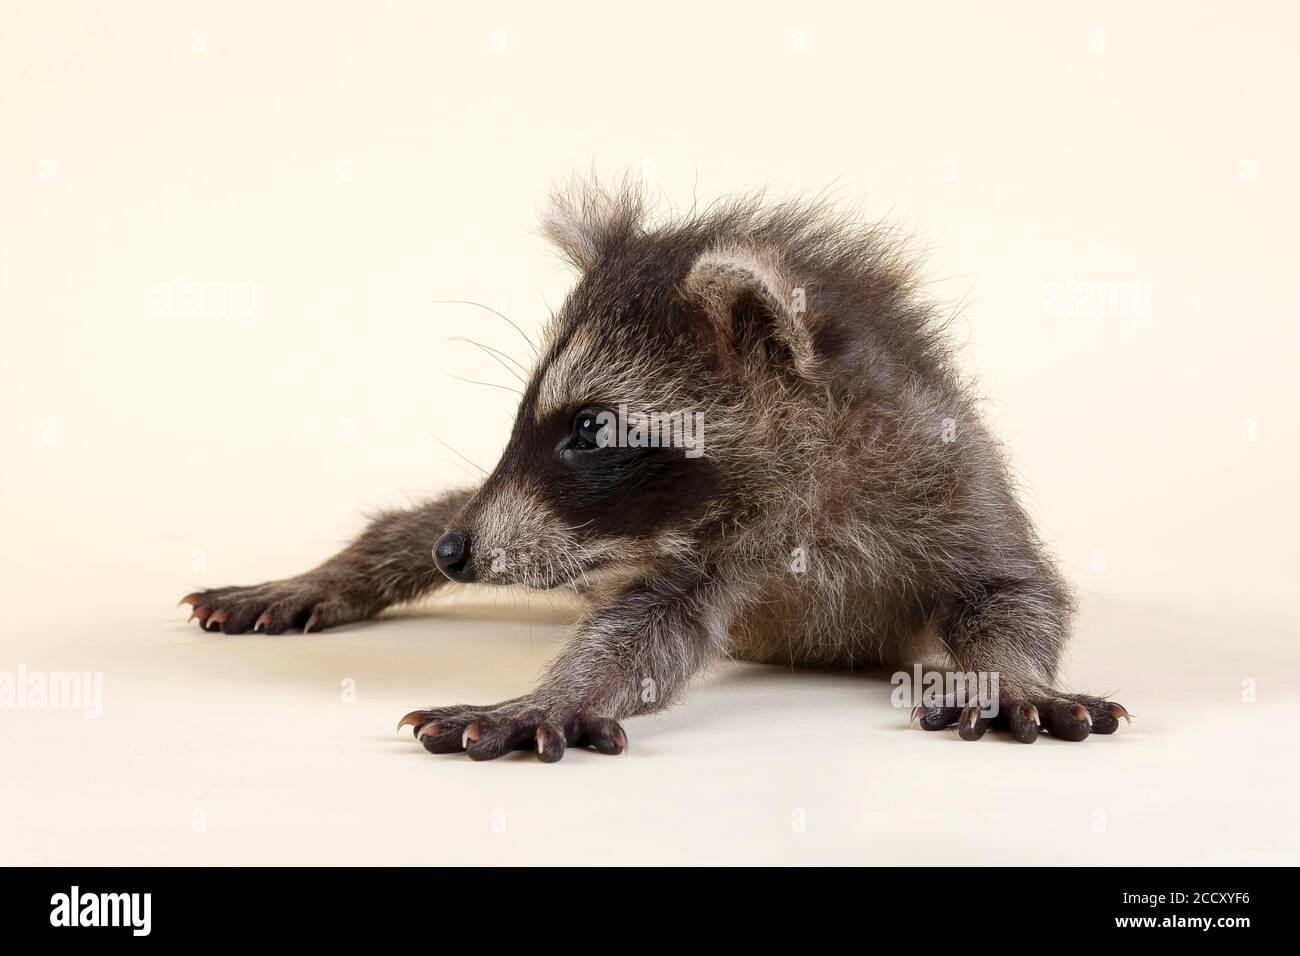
(452,556)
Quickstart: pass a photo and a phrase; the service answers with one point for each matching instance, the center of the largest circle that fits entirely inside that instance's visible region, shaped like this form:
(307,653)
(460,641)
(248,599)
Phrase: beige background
(353,164)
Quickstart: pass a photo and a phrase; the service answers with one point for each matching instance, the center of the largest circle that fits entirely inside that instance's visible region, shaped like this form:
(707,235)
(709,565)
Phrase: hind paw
(1067,716)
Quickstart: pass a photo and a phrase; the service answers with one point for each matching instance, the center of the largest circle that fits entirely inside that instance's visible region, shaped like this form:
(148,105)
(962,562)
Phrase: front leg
(389,563)
(632,656)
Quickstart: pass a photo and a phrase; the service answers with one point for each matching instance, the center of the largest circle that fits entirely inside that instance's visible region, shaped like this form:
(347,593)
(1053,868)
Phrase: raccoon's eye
(588,431)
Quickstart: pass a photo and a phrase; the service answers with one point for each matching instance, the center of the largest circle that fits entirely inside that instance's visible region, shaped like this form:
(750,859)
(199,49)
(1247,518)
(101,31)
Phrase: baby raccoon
(826,495)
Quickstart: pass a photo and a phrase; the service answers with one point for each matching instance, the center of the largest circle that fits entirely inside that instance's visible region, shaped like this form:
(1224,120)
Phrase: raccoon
(839,502)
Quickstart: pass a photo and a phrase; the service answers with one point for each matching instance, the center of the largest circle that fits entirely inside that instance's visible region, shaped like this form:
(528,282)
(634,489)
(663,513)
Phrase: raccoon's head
(641,416)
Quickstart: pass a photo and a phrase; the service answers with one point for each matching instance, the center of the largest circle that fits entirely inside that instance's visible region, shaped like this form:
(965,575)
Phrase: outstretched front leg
(1016,632)
(632,656)
(391,562)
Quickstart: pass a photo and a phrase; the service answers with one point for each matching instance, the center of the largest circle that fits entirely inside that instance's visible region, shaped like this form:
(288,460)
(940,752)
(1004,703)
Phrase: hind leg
(1014,634)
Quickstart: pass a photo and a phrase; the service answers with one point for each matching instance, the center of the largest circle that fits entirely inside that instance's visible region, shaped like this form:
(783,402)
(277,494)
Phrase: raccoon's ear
(731,284)
(586,221)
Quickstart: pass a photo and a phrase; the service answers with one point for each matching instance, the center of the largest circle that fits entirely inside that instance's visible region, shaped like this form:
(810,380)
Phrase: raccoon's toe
(1104,715)
(1024,721)
(1066,719)
(605,735)
(972,725)
(935,717)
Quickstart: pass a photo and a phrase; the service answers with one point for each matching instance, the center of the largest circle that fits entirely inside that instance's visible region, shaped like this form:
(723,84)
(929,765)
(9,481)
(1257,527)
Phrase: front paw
(307,602)
(485,733)
(1067,716)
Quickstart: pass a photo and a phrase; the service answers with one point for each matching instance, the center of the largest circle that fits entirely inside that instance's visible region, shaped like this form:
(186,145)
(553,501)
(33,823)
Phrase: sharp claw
(426,730)
(218,617)
(263,620)
(541,739)
(1032,713)
(1117,711)
(471,735)
(414,719)
(1081,713)
(201,612)
(311,622)
(917,712)
(191,599)
(974,718)
(620,738)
